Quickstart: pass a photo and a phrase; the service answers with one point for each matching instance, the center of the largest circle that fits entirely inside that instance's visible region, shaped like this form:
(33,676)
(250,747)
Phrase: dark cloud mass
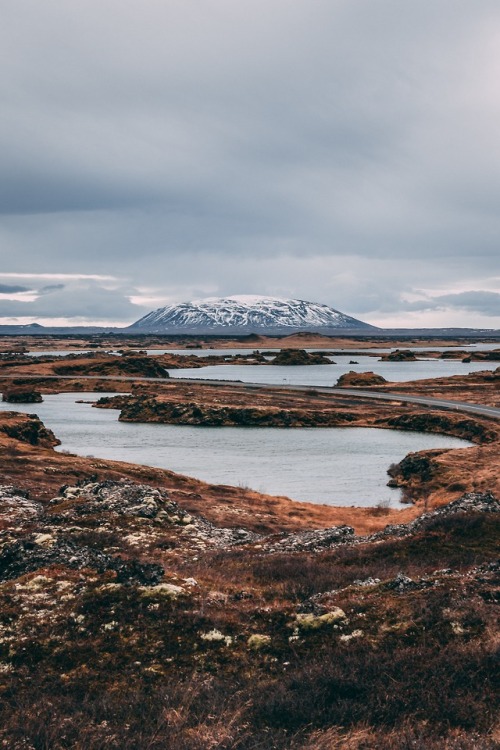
(12,289)
(486,303)
(342,151)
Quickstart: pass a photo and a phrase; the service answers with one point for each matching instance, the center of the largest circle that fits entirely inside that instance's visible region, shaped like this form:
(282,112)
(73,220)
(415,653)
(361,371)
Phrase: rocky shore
(22,396)
(146,408)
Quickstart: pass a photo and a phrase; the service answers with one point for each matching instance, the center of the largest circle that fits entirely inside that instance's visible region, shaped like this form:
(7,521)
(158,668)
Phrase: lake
(327,375)
(336,466)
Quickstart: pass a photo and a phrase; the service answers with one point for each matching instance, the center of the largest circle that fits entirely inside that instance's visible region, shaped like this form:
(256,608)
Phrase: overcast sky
(339,151)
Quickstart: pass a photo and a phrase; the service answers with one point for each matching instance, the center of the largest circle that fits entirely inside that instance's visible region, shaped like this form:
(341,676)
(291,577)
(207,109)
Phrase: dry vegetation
(144,610)
(126,623)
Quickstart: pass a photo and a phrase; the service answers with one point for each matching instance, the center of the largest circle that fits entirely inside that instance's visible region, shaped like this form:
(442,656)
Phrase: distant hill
(242,314)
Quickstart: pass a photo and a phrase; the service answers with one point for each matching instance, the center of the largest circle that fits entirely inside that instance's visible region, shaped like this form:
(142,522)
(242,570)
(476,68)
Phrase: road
(460,406)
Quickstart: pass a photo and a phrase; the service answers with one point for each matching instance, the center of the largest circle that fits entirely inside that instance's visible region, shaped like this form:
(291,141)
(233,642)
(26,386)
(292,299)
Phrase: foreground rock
(470,503)
(321,539)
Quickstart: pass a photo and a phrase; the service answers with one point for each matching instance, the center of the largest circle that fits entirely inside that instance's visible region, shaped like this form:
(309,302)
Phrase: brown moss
(360,379)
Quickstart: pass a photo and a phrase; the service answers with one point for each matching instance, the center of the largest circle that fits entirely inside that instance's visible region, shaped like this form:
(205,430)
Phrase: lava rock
(290,357)
(360,379)
(22,396)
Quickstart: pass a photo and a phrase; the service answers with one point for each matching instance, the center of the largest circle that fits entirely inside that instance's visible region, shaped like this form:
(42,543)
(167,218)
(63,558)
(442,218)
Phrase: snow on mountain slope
(247,313)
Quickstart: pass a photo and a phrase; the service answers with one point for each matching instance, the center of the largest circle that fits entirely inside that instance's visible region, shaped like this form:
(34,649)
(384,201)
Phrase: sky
(340,151)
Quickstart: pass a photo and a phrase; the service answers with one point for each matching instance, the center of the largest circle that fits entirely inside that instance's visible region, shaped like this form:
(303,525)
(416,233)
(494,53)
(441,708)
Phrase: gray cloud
(486,303)
(12,289)
(343,151)
(85,301)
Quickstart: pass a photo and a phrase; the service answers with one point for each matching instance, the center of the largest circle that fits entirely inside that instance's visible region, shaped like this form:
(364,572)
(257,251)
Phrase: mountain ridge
(244,313)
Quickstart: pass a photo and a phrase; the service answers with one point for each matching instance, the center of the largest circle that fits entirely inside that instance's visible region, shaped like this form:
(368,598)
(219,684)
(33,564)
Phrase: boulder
(360,379)
(290,357)
(400,355)
(22,396)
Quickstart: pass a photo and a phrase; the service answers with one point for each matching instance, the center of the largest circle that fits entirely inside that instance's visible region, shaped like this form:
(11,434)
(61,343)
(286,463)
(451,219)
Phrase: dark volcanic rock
(360,379)
(490,356)
(22,396)
(27,428)
(300,357)
(321,539)
(25,556)
(413,466)
(146,367)
(400,355)
(401,583)
(461,427)
(311,541)
(99,500)
(119,498)
(146,409)
(471,502)
(16,507)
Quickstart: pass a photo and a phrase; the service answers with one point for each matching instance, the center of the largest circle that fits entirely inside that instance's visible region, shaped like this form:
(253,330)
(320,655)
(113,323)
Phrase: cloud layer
(342,151)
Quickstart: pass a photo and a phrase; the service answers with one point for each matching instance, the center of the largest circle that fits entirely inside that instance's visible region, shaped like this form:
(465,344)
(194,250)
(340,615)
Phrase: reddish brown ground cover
(143,609)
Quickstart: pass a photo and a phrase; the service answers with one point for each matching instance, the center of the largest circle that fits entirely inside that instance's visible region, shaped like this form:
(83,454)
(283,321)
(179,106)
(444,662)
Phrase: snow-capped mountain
(245,314)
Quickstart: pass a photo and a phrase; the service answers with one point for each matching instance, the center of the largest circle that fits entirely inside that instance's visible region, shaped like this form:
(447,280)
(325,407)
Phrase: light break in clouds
(341,151)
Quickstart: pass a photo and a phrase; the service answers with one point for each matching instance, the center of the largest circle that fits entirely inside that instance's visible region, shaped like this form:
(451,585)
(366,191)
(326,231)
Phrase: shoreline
(194,402)
(469,469)
(211,606)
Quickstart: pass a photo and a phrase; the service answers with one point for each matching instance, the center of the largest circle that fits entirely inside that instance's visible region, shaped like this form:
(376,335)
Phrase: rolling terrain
(144,609)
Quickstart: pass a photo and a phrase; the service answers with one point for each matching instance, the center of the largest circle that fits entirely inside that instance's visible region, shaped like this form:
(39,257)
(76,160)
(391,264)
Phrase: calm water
(381,350)
(327,375)
(329,465)
(229,352)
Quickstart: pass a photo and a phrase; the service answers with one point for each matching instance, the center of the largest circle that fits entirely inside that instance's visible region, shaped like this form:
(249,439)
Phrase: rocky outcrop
(147,409)
(13,356)
(290,357)
(26,556)
(311,541)
(120,499)
(16,507)
(400,355)
(27,428)
(415,467)
(470,502)
(146,367)
(322,539)
(491,356)
(453,354)
(443,424)
(112,499)
(360,379)
(22,396)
